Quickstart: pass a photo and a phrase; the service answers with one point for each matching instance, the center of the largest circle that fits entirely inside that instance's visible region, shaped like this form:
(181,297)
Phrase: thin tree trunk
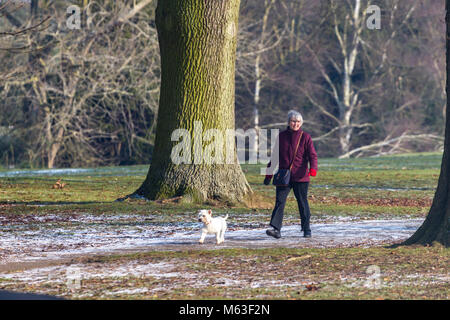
(198,48)
(436,226)
(34,6)
(349,97)
(254,145)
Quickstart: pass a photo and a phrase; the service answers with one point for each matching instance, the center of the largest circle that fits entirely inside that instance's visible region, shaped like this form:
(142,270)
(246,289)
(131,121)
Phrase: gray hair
(296,115)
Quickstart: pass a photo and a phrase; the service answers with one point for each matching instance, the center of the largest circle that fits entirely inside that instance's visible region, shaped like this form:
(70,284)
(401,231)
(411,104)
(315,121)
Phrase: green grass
(281,273)
(369,180)
(368,188)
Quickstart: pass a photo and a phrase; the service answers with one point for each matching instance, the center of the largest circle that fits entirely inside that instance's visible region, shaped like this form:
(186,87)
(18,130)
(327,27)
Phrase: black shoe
(274,233)
(307,234)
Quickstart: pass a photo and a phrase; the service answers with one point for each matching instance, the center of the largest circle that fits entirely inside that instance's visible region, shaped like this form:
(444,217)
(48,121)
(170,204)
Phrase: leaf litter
(62,239)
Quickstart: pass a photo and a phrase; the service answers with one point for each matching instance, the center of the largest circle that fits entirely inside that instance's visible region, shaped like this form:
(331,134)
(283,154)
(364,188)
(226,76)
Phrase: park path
(25,247)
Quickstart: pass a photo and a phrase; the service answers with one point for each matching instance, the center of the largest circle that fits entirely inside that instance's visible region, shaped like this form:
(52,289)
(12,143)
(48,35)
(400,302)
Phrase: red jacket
(287,142)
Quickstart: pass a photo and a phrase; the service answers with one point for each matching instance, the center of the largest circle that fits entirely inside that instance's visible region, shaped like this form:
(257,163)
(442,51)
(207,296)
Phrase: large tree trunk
(436,226)
(198,48)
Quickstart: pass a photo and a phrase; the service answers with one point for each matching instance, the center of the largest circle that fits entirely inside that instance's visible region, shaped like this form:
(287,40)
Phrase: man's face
(295,124)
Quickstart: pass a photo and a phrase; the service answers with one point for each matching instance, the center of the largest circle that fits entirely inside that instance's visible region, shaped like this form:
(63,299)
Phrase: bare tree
(79,100)
(96,89)
(198,51)
(256,38)
(436,227)
(351,87)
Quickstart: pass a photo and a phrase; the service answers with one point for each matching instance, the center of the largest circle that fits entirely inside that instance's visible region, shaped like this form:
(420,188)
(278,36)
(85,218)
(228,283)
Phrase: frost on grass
(51,238)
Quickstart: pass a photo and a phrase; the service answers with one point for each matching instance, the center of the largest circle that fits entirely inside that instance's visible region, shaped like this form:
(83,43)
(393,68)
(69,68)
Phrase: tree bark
(436,227)
(198,49)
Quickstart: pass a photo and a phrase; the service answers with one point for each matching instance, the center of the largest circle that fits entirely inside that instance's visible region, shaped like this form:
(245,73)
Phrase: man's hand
(312,172)
(267,180)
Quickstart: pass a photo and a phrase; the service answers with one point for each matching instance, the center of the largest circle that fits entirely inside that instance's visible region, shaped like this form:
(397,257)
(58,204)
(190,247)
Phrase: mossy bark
(436,227)
(198,49)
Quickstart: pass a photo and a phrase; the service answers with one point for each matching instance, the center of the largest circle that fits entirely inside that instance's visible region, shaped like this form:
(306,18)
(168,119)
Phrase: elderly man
(289,143)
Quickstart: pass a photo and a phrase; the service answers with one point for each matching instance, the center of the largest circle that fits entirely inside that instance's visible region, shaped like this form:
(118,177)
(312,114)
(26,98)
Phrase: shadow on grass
(52,203)
(10,295)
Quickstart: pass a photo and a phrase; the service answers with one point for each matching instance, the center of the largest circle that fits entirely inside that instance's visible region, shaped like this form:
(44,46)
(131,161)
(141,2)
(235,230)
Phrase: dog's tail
(226,217)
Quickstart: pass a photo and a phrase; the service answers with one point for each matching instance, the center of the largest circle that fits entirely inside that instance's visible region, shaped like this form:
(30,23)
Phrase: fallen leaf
(298,258)
(311,287)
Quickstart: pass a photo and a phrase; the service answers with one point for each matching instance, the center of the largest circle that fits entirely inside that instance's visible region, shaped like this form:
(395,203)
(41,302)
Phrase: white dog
(212,225)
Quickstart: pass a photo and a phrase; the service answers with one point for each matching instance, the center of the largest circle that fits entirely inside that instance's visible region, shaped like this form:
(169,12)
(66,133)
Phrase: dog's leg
(223,231)
(202,237)
(218,238)
(222,234)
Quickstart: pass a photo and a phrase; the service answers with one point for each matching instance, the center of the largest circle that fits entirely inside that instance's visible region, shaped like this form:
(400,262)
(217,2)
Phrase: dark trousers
(301,194)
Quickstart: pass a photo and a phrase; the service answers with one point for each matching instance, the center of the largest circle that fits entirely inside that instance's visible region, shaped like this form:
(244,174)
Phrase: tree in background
(79,101)
(352,68)
(86,96)
(357,88)
(13,41)
(436,226)
(257,36)
(197,41)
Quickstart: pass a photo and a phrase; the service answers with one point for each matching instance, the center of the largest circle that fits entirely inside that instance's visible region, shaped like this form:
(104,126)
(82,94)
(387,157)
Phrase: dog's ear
(210,213)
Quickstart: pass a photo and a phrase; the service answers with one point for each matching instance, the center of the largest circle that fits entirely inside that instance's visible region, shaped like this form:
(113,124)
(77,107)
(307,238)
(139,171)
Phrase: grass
(370,188)
(97,193)
(339,273)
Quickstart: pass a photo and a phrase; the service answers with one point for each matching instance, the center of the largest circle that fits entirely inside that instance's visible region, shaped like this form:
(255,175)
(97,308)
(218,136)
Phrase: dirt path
(33,247)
